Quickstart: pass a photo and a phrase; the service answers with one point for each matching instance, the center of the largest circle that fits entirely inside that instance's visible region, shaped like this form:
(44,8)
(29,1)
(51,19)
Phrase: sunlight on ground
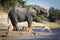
(50,25)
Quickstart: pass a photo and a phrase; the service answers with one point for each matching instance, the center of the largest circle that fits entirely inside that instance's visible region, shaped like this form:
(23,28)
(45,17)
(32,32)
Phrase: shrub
(37,19)
(40,18)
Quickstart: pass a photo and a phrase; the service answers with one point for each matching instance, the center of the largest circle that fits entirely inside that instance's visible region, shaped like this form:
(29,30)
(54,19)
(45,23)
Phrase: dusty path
(16,35)
(28,36)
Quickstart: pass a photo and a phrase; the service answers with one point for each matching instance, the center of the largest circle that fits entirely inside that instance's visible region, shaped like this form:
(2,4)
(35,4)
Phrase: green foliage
(7,4)
(22,3)
(39,18)
(54,14)
(43,18)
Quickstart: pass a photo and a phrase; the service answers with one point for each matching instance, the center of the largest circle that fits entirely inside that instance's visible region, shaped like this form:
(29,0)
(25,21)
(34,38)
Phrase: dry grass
(54,25)
(50,25)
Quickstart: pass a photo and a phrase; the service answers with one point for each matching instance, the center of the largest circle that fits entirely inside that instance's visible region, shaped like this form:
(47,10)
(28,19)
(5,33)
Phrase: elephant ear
(35,7)
(43,9)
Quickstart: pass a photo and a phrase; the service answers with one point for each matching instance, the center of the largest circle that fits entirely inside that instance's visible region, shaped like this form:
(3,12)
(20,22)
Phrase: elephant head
(40,10)
(44,11)
(35,7)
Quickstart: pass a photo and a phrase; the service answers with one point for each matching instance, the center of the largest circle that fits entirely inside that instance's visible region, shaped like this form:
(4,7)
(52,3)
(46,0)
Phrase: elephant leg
(29,21)
(15,26)
(14,23)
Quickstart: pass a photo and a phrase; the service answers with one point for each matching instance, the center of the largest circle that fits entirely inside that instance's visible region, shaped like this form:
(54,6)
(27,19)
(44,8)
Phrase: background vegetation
(54,14)
(5,5)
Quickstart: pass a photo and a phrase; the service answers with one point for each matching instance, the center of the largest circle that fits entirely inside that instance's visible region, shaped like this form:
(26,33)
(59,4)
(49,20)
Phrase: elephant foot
(15,29)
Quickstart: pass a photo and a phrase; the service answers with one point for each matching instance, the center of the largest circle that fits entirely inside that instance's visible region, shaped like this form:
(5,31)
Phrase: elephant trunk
(46,14)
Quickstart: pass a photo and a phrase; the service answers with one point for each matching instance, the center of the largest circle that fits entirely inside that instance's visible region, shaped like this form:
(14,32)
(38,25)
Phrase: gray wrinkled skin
(24,14)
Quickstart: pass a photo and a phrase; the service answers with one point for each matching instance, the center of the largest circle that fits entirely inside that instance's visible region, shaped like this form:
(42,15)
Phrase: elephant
(40,10)
(18,14)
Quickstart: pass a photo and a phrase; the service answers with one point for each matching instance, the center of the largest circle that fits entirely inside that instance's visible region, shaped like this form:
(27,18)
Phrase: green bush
(37,19)
(42,17)
(54,14)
